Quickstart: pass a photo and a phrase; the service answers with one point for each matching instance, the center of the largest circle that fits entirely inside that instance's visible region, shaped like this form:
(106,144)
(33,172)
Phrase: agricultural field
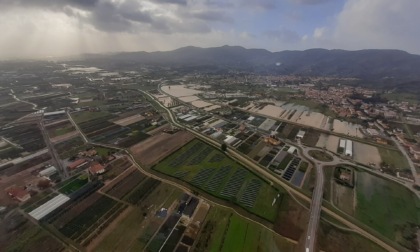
(328,142)
(24,138)
(158,146)
(393,158)
(51,102)
(226,231)
(123,134)
(116,167)
(85,116)
(331,238)
(292,219)
(311,137)
(85,215)
(74,184)
(59,129)
(341,196)
(14,111)
(70,147)
(366,154)
(223,178)
(396,208)
(19,234)
(139,224)
(12,169)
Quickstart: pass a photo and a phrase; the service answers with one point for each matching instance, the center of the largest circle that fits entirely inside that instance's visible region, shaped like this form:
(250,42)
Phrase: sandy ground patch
(189,98)
(157,147)
(129,120)
(347,128)
(314,119)
(165,100)
(271,110)
(330,142)
(365,154)
(201,104)
(180,90)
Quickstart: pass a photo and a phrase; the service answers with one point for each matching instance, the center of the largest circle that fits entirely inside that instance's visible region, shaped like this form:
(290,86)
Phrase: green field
(226,231)
(62,131)
(385,206)
(401,97)
(235,235)
(331,238)
(393,158)
(196,163)
(74,184)
(84,116)
(314,106)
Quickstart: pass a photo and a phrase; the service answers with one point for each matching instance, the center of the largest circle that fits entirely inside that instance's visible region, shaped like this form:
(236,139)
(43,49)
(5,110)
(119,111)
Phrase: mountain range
(391,66)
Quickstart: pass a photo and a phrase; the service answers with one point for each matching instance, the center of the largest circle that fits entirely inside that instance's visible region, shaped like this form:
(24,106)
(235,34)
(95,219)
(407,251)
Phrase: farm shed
(300,134)
(48,171)
(349,148)
(292,149)
(19,194)
(49,206)
(76,164)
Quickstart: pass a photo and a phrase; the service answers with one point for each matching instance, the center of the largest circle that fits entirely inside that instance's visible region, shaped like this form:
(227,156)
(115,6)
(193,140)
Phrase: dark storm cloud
(283,35)
(106,17)
(49,4)
(125,16)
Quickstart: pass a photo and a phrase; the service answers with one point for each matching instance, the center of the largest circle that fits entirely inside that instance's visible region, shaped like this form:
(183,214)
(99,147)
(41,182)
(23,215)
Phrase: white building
(349,148)
(49,206)
(300,134)
(48,171)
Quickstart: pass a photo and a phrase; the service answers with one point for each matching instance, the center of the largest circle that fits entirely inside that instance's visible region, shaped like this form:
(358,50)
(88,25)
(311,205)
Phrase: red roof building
(96,168)
(19,194)
(76,164)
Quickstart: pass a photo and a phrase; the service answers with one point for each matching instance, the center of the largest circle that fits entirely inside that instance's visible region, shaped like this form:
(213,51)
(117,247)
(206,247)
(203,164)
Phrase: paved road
(410,162)
(315,211)
(77,127)
(249,163)
(55,157)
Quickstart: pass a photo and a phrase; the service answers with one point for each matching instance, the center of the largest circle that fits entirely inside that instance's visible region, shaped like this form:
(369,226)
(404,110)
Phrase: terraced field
(212,171)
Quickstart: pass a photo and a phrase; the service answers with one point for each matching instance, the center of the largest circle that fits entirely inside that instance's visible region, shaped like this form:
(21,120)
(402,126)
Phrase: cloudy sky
(42,28)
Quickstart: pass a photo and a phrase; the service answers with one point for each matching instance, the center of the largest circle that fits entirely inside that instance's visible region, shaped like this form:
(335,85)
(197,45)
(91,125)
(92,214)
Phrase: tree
(223,147)
(43,184)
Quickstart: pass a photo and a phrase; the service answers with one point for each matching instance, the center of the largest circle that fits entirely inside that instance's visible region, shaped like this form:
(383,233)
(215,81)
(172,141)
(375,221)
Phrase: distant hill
(375,65)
